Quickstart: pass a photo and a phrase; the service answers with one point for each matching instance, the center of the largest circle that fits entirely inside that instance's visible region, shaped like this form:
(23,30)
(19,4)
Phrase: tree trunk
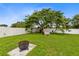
(41,31)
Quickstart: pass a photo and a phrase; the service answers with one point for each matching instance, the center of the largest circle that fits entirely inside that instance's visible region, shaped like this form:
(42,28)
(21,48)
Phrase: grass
(52,45)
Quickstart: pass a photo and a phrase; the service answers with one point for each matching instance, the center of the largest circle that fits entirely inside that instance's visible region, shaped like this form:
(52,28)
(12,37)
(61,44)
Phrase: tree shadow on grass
(60,34)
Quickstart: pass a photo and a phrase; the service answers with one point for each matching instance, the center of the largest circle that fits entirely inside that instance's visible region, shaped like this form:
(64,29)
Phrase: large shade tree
(46,18)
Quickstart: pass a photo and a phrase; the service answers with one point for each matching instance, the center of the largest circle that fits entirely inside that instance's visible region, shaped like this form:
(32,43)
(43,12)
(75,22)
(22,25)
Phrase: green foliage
(18,25)
(46,18)
(75,21)
(3,25)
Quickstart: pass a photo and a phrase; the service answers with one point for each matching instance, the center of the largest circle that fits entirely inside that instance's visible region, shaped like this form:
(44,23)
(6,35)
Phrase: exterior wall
(7,31)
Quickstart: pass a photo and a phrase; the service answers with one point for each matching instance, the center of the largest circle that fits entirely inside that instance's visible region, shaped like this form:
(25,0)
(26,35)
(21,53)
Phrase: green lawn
(52,45)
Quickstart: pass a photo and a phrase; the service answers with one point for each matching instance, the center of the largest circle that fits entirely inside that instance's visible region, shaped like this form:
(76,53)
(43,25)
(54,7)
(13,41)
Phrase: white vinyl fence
(7,31)
(70,31)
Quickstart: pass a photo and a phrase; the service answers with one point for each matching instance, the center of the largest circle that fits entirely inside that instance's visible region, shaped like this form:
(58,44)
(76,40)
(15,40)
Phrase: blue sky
(11,13)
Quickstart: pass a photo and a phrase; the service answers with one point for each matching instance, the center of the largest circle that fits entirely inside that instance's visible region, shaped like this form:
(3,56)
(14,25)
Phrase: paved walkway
(16,52)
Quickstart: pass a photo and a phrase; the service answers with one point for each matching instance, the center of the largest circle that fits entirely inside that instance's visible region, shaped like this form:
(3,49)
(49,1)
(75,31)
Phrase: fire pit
(23,45)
